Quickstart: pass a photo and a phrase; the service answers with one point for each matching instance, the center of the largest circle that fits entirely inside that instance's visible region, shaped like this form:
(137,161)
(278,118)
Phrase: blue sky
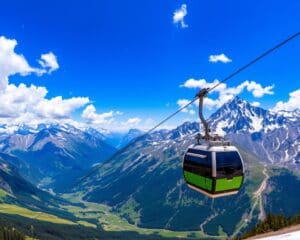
(131,57)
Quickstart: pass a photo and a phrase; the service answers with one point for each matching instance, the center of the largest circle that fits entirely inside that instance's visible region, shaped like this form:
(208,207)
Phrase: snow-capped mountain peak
(273,136)
(239,116)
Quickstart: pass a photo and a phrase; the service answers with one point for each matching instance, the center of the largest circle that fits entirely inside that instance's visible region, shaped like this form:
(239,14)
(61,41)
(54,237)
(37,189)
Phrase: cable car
(212,166)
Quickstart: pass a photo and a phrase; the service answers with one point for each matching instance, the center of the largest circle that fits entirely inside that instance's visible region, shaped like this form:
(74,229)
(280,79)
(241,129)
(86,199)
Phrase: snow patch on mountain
(274,136)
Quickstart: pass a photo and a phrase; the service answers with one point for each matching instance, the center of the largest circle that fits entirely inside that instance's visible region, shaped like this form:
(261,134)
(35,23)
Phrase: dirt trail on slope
(257,195)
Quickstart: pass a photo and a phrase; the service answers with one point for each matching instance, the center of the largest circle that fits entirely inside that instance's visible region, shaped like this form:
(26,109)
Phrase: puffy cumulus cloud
(193,83)
(179,15)
(29,105)
(59,108)
(133,121)
(226,93)
(18,100)
(182,102)
(219,58)
(12,63)
(255,104)
(49,62)
(291,104)
(91,116)
(257,90)
(111,120)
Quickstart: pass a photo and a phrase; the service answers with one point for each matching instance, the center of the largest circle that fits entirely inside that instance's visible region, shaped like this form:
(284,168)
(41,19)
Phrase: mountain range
(272,136)
(143,183)
(53,156)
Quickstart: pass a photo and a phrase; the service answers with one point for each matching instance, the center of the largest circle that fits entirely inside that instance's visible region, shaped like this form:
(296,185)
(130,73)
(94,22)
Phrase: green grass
(87,224)
(16,210)
(128,211)
(24,212)
(3,194)
(253,171)
(127,218)
(112,222)
(221,232)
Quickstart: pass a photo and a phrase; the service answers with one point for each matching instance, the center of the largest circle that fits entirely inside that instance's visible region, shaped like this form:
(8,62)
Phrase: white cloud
(133,121)
(21,104)
(49,61)
(179,14)
(193,83)
(136,122)
(226,93)
(90,115)
(150,122)
(192,112)
(219,58)
(58,107)
(257,90)
(113,121)
(182,102)
(255,104)
(292,103)
(12,63)
(29,105)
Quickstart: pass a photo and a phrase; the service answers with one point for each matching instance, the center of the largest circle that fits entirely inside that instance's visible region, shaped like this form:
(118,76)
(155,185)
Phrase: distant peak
(235,103)
(238,102)
(237,99)
(134,130)
(186,123)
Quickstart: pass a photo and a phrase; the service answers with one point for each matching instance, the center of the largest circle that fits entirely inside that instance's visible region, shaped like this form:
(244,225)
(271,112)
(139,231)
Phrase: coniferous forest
(270,224)
(11,234)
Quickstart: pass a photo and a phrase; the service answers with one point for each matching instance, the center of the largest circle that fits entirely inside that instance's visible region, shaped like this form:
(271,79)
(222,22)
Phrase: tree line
(11,234)
(270,224)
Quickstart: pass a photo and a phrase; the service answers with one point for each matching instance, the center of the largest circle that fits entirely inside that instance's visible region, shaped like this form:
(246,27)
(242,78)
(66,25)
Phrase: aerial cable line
(239,70)
(256,59)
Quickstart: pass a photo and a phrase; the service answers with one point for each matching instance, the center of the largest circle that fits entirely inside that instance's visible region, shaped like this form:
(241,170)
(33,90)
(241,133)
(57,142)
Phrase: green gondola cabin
(214,168)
